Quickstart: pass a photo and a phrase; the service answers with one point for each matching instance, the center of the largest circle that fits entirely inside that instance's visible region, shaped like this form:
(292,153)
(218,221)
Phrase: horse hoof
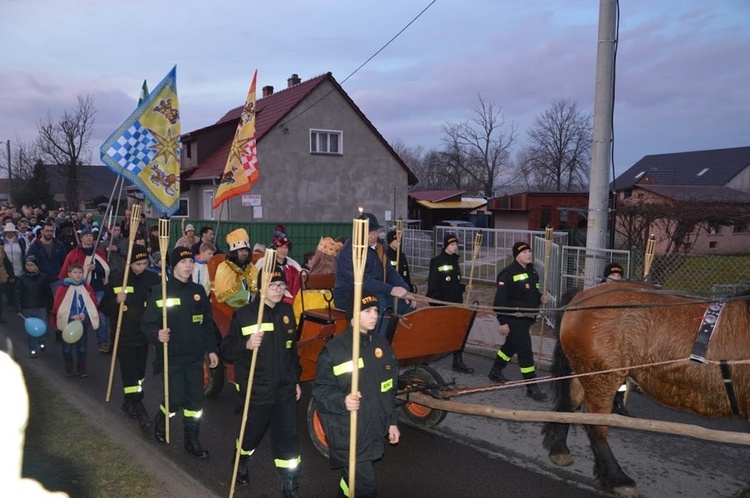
(626,491)
(561,459)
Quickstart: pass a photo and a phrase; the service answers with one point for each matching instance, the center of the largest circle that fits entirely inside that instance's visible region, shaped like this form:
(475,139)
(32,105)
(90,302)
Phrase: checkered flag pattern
(132,151)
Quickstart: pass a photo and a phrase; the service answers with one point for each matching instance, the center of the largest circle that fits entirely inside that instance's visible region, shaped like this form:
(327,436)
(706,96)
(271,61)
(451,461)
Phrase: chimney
(267,91)
(293,80)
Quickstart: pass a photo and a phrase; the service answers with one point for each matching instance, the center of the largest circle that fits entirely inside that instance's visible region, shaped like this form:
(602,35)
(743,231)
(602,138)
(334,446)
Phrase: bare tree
(64,142)
(480,147)
(558,155)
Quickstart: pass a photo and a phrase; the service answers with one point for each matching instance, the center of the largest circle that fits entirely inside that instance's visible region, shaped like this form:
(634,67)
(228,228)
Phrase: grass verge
(66,453)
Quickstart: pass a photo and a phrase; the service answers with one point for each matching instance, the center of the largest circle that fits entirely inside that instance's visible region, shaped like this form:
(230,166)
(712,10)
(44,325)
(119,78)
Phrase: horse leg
(606,467)
(556,434)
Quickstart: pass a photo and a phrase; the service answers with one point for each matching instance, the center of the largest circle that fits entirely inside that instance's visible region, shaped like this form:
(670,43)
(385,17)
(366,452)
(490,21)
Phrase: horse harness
(706,330)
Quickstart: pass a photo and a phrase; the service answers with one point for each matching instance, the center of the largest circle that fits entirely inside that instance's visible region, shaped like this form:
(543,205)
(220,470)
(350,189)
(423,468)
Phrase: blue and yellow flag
(145,149)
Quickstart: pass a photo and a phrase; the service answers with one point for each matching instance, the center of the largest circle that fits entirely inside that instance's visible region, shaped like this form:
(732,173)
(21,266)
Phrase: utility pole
(596,234)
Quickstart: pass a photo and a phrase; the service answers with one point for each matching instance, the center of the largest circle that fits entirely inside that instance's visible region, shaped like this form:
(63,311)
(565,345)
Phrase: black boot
(533,392)
(160,428)
(496,372)
(290,487)
(141,414)
(618,406)
(459,365)
(69,372)
(129,409)
(192,440)
(243,475)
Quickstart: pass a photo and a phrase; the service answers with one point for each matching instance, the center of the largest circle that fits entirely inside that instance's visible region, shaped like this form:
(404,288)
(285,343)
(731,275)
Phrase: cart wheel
(315,428)
(416,414)
(213,378)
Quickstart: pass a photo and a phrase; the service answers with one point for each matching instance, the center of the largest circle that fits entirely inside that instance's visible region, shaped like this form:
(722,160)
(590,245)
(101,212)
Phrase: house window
(326,142)
(712,245)
(546,216)
(188,150)
(742,228)
(183,210)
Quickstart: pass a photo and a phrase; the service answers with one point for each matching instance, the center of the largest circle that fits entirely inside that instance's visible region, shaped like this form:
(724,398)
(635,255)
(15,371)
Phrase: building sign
(251,200)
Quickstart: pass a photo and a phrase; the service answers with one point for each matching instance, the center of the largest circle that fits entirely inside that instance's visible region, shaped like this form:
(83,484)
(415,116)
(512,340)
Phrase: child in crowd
(75,300)
(33,296)
(200,268)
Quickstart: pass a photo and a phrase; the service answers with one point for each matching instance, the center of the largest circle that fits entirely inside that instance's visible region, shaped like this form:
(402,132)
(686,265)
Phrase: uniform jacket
(380,277)
(138,290)
(189,319)
(277,369)
(444,280)
(50,265)
(403,265)
(517,287)
(378,383)
(33,291)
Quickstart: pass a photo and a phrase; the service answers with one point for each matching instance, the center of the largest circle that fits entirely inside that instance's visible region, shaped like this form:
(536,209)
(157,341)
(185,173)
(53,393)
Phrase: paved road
(463,456)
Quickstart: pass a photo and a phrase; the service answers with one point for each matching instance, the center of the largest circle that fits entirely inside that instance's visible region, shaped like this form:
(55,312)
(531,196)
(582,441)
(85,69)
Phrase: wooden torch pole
(477,247)
(163,248)
(547,252)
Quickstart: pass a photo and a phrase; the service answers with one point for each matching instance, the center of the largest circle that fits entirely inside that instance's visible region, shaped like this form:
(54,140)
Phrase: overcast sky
(683,77)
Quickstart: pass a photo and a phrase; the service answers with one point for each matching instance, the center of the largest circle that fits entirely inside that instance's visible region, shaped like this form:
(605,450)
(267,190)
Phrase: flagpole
(218,222)
(135,216)
(163,248)
(269,264)
(120,179)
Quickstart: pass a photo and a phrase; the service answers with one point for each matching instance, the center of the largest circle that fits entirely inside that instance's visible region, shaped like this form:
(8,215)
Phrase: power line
(361,65)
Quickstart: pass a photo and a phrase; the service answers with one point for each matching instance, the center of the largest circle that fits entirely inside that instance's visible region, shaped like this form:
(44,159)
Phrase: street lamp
(7,144)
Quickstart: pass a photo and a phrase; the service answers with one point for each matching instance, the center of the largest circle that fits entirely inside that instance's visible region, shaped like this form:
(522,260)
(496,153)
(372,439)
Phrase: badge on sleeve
(448,278)
(197,297)
(378,353)
(527,286)
(286,320)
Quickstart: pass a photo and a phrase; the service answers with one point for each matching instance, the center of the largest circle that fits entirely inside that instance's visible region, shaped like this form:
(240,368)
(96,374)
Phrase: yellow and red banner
(241,170)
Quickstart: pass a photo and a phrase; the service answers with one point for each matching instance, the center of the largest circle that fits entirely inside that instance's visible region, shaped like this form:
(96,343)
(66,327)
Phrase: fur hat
(179,253)
(519,247)
(613,268)
(139,253)
(449,239)
(280,238)
(368,301)
(374,225)
(238,239)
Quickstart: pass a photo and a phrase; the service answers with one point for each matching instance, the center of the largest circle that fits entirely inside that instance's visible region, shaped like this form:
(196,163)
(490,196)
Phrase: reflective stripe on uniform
(191,414)
(394,263)
(289,344)
(133,389)
(172,301)
(445,268)
(251,329)
(520,276)
(344,487)
(164,410)
(502,355)
(128,290)
(243,452)
(347,367)
(292,463)
(386,386)
(528,370)
(197,318)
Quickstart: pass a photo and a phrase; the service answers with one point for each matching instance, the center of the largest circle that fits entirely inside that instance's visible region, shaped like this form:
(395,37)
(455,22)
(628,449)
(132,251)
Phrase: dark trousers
(281,417)
(365,486)
(518,342)
(133,370)
(186,388)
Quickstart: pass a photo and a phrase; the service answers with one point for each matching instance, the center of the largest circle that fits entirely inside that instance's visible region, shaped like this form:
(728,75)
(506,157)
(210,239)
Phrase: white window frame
(329,133)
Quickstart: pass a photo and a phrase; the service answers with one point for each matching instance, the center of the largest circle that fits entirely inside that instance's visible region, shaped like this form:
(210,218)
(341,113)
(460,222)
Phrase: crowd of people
(66,269)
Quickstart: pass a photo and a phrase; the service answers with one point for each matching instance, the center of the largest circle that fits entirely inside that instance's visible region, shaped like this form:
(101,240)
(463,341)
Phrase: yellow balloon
(73,332)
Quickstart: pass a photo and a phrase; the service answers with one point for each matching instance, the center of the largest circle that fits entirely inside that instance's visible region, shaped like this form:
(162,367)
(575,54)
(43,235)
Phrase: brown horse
(629,324)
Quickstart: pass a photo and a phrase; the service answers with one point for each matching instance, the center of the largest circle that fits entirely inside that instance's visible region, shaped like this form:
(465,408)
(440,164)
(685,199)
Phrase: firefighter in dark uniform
(375,402)
(190,335)
(275,390)
(444,284)
(132,347)
(518,287)
(401,263)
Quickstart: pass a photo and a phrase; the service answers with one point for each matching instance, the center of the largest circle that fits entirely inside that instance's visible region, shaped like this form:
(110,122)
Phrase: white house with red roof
(319,158)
